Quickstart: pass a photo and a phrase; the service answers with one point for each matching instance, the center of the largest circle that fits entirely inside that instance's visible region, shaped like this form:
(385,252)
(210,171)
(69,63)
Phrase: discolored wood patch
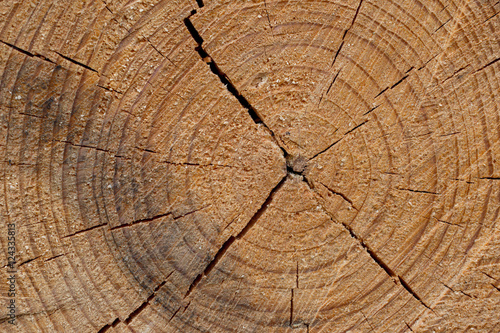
(250,166)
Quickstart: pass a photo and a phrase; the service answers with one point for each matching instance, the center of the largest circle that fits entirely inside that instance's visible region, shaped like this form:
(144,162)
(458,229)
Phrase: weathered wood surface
(251,166)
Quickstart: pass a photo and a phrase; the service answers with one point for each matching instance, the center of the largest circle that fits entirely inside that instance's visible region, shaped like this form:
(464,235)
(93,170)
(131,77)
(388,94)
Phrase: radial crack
(408,326)
(253,113)
(417,191)
(345,33)
(29,54)
(339,194)
(150,219)
(156,217)
(395,277)
(334,143)
(487,65)
(85,230)
(217,71)
(77,62)
(141,307)
(220,253)
(138,310)
(106,327)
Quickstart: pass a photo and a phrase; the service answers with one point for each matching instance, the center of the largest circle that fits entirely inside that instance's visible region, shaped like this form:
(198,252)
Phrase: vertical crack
(297,276)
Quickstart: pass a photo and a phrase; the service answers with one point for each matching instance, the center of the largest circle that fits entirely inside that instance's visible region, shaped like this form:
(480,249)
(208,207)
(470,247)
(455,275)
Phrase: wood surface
(251,166)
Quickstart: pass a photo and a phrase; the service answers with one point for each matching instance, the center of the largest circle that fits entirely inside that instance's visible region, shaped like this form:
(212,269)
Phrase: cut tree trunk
(250,166)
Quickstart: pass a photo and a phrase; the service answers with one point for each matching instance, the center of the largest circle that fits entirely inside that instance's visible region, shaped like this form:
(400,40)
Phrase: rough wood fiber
(251,166)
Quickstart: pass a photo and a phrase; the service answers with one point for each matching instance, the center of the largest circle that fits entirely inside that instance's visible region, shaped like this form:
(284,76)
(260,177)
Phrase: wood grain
(251,166)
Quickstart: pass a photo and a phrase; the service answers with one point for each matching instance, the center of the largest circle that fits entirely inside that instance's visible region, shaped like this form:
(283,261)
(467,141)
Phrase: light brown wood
(250,166)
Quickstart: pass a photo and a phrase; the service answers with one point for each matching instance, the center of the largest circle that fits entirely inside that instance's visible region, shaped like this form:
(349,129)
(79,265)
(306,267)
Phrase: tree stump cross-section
(250,166)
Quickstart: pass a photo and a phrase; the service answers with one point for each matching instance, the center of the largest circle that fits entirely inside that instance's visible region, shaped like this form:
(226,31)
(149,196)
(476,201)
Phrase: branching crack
(395,277)
(258,120)
(220,253)
(460,291)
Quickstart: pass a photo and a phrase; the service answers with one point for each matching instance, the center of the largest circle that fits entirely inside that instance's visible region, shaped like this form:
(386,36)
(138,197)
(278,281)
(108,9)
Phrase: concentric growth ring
(251,166)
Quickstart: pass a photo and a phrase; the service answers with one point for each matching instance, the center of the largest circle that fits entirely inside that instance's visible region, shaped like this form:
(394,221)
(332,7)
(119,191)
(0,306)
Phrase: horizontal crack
(156,217)
(85,230)
(29,54)
(417,191)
